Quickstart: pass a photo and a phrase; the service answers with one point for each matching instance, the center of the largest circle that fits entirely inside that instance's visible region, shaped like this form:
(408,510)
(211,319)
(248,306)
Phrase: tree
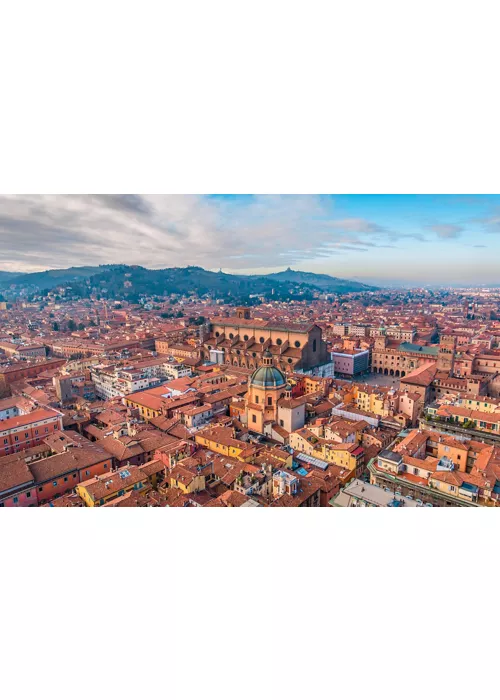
(71,325)
(81,327)
(55,326)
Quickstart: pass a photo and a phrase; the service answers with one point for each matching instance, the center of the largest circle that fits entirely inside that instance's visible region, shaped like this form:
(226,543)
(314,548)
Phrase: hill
(7,278)
(134,282)
(52,278)
(324,282)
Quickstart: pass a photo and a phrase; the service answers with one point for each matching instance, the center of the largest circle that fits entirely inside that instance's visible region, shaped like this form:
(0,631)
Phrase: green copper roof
(268,377)
(422,349)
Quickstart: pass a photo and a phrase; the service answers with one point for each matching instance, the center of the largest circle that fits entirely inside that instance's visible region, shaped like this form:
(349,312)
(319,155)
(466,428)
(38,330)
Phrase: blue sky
(411,238)
(404,239)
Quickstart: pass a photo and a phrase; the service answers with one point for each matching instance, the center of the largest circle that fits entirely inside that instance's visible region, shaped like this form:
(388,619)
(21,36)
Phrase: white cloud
(447,230)
(158,230)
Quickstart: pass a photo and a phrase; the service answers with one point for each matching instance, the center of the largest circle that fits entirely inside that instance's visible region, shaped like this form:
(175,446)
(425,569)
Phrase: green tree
(81,327)
(55,326)
(71,325)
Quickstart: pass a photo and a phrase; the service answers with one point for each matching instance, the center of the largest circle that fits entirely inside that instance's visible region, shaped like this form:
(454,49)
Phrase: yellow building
(370,402)
(102,489)
(186,481)
(221,440)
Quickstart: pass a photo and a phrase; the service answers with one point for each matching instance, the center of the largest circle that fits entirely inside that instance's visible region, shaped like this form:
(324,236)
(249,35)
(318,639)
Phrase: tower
(243,312)
(381,342)
(447,352)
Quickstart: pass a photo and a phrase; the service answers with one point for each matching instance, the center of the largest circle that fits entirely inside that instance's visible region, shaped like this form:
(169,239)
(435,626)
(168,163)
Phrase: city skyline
(382,239)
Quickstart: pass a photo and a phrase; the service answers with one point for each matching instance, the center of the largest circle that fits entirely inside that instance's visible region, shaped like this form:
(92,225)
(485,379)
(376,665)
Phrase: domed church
(269,403)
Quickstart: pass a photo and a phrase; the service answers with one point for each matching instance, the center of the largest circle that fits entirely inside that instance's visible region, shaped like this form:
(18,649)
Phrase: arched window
(269,400)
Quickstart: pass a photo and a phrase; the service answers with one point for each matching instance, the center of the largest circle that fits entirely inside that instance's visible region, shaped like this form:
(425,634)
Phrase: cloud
(447,231)
(159,230)
(357,226)
(491,224)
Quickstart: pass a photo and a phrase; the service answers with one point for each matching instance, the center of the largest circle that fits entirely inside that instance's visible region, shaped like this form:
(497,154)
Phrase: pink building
(29,430)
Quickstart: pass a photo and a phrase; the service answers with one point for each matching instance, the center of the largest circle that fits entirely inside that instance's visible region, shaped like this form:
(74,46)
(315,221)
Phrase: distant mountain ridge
(8,277)
(321,281)
(52,278)
(129,282)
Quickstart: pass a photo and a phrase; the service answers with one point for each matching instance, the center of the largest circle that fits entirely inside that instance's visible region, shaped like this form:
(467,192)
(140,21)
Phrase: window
(279,342)
(28,495)
(269,400)
(54,483)
(40,489)
(217,334)
(26,435)
(256,399)
(65,478)
(16,499)
(297,344)
(16,439)
(231,336)
(245,338)
(315,345)
(282,423)
(5,441)
(87,473)
(262,340)
(254,418)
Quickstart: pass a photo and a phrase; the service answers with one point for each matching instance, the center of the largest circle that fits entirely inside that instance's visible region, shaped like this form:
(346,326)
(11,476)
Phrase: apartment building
(22,432)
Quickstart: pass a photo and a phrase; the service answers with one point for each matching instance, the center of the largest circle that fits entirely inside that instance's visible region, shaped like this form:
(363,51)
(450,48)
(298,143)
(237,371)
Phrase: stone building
(242,341)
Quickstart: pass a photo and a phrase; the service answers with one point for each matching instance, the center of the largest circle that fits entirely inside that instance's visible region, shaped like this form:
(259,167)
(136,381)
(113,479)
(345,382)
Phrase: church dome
(268,377)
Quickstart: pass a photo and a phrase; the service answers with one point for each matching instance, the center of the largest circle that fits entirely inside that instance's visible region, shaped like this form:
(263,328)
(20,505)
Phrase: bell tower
(447,353)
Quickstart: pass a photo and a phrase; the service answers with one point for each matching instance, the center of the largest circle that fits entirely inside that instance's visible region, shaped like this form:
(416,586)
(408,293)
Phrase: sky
(383,239)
